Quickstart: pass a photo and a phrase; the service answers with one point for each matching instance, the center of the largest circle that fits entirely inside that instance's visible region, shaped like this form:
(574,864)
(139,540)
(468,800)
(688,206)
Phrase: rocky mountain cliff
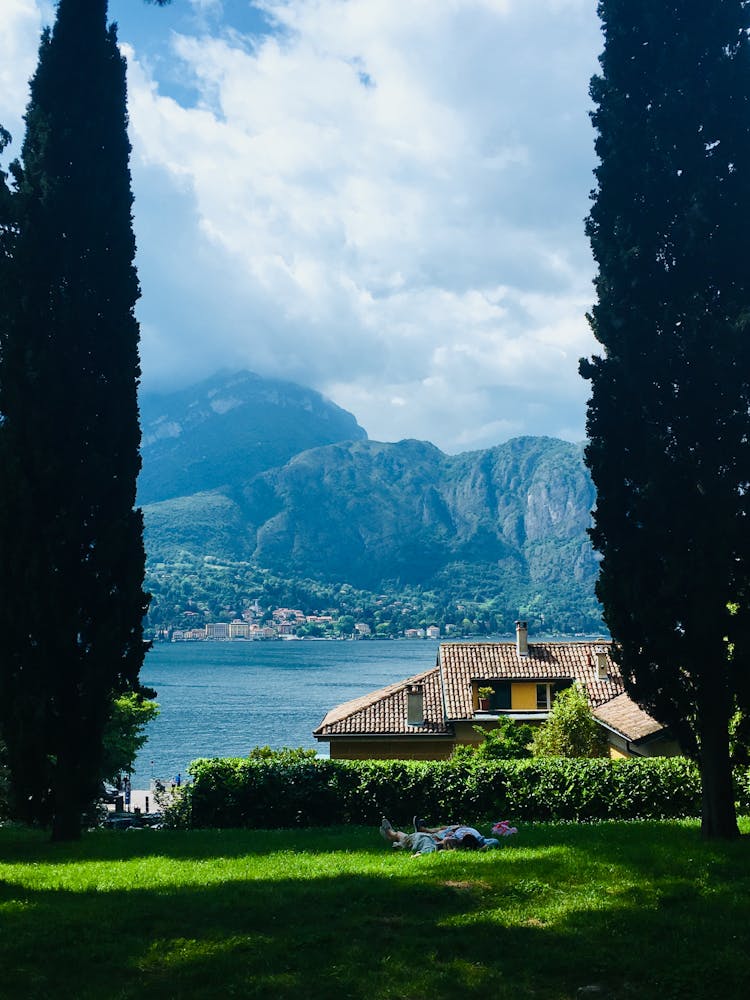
(507,524)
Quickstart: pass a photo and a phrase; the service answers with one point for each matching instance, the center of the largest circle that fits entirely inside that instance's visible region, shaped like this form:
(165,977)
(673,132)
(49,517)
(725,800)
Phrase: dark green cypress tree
(668,424)
(7,233)
(71,543)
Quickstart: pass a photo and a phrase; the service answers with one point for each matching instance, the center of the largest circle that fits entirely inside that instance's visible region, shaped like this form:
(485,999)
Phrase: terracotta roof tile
(384,712)
(463,662)
(628,719)
(448,686)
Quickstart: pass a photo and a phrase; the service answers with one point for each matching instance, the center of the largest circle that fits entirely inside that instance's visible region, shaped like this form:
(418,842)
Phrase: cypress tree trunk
(71,544)
(718,818)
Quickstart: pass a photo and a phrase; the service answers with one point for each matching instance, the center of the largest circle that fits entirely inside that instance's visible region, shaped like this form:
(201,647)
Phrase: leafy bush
(289,788)
(125,732)
(508,740)
(283,790)
(739,737)
(571,729)
(742,788)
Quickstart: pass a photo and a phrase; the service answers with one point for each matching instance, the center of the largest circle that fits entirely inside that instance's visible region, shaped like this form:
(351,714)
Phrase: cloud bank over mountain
(378,199)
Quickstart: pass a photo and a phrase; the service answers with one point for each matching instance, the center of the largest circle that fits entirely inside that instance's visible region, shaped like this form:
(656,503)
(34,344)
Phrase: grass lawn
(614,910)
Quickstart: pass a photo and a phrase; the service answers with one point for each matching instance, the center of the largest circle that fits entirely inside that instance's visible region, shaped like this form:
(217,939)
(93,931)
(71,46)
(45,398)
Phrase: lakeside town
(292,623)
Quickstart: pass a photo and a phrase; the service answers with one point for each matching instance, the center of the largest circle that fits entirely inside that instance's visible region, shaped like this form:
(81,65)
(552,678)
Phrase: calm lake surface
(221,699)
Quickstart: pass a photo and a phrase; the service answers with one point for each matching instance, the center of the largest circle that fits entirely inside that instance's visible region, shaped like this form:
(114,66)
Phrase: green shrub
(270,793)
(571,729)
(742,788)
(292,788)
(125,731)
(508,740)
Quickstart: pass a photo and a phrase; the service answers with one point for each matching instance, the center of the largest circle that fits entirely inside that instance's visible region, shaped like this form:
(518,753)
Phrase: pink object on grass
(503,828)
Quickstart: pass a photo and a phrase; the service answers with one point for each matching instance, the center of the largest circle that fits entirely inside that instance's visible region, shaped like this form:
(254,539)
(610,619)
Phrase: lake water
(221,699)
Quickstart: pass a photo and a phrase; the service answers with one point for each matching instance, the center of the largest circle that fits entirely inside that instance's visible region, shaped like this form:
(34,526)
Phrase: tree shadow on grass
(26,846)
(445,931)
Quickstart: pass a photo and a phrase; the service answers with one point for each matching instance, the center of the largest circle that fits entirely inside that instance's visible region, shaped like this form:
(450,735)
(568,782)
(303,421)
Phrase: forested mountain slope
(503,528)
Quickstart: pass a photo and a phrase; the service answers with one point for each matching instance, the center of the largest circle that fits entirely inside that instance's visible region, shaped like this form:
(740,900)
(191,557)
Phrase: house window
(543,700)
(547,692)
(500,700)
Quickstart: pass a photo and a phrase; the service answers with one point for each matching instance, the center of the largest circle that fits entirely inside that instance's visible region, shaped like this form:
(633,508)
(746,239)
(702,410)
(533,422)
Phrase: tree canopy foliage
(125,732)
(668,419)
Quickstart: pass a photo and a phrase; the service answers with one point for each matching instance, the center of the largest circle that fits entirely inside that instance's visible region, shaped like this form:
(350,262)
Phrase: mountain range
(268,484)
(229,428)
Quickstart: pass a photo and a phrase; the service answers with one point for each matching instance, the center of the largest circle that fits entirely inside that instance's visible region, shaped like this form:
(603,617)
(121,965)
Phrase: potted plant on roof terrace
(484,694)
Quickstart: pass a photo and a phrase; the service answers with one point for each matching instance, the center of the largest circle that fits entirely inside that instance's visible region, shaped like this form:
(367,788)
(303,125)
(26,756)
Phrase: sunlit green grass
(620,910)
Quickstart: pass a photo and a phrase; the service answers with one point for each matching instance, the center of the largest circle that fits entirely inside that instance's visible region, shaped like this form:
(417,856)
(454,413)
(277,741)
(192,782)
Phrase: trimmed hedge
(293,789)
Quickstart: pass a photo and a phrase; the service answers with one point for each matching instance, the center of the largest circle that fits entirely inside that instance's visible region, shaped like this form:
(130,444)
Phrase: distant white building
(239,630)
(217,630)
(363,628)
(433,632)
(189,635)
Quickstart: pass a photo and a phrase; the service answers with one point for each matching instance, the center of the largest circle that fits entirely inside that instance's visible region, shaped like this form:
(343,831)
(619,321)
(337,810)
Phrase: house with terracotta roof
(631,732)
(424,717)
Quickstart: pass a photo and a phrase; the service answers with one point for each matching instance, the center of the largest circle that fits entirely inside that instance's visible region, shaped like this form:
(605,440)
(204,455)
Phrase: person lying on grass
(427,841)
(457,836)
(459,831)
(418,843)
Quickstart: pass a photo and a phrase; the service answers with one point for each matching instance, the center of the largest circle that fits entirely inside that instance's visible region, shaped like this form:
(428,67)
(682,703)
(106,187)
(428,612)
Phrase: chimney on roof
(414,704)
(602,667)
(522,638)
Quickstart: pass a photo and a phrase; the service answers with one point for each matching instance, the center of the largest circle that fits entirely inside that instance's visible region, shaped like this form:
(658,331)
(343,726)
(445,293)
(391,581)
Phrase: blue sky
(383,199)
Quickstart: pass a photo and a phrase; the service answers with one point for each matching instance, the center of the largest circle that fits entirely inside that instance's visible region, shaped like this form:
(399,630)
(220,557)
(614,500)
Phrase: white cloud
(381,199)
(20,29)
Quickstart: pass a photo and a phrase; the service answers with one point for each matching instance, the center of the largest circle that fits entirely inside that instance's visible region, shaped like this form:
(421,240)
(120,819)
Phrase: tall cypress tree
(668,418)
(71,544)
(7,234)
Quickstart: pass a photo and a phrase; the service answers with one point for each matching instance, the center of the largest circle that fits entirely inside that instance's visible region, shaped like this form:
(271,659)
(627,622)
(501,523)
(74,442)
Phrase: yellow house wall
(618,748)
(416,749)
(662,748)
(523,697)
(465,733)
(419,749)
